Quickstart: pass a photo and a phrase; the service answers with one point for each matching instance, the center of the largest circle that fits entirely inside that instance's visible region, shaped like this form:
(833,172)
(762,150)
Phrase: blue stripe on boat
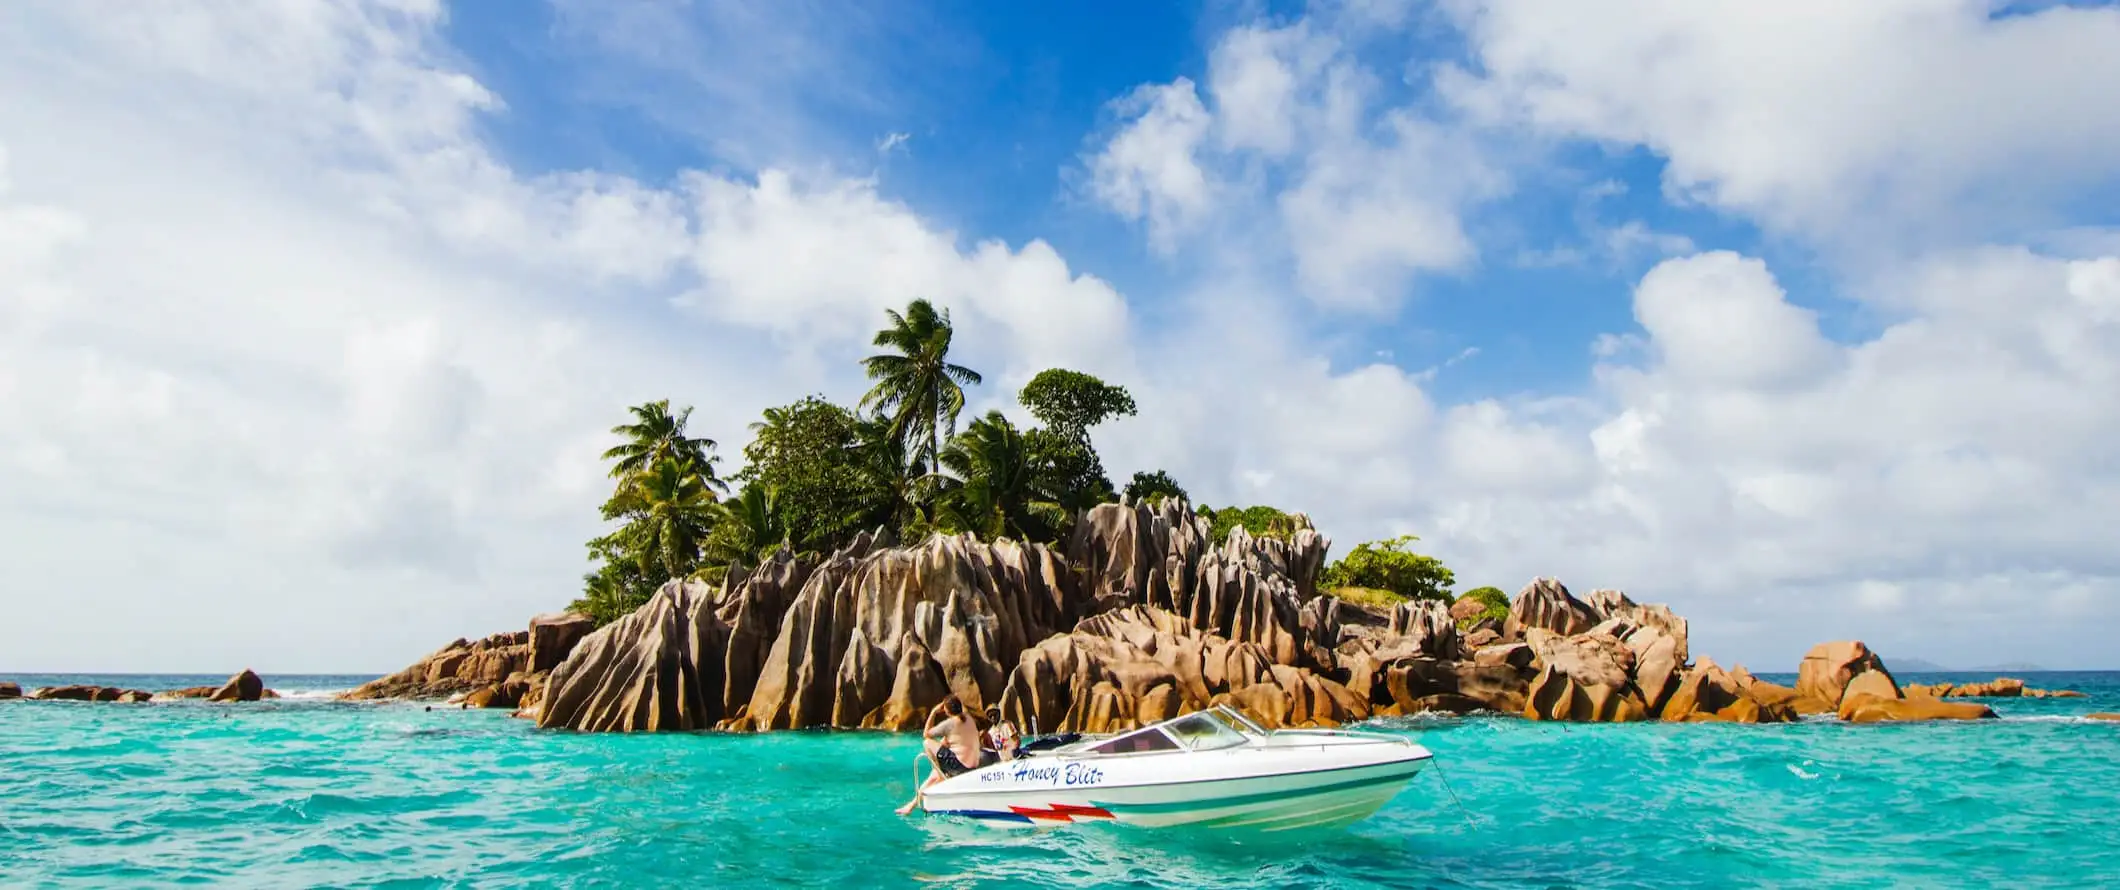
(1242,799)
(984,814)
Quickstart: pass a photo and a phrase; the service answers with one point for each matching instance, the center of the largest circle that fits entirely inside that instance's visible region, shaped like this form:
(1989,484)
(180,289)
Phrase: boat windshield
(1237,717)
(1137,742)
(1204,731)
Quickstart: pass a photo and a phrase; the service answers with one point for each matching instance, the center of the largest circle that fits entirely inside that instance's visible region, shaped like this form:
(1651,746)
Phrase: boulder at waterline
(1827,668)
(461,666)
(244,686)
(1707,693)
(552,636)
(2103,716)
(10,690)
(91,693)
(200,692)
(2000,687)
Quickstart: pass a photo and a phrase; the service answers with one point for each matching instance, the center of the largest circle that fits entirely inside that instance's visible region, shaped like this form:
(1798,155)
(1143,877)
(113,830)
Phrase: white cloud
(1148,172)
(1893,120)
(297,374)
(891,141)
(1293,151)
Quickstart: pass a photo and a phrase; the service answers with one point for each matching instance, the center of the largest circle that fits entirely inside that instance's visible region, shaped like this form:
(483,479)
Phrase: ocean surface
(309,792)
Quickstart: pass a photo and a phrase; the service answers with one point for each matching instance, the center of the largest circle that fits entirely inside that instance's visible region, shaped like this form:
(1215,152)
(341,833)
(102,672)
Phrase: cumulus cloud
(1895,121)
(1293,149)
(301,373)
(295,371)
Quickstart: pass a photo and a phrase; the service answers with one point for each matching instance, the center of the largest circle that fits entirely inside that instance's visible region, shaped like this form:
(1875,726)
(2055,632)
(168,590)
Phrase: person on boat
(952,743)
(1001,736)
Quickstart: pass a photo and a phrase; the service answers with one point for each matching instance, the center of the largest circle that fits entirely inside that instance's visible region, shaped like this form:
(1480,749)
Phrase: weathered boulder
(1586,677)
(1827,668)
(1546,604)
(1868,686)
(1413,685)
(552,636)
(2000,687)
(10,690)
(1124,668)
(1422,629)
(1708,693)
(655,669)
(91,693)
(1866,708)
(508,693)
(245,686)
(459,667)
(1467,609)
(973,607)
(2103,716)
(1659,650)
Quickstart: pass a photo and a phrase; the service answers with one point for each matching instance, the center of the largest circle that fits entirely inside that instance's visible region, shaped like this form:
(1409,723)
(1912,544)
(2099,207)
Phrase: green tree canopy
(916,385)
(748,529)
(1069,403)
(1259,521)
(1388,565)
(668,510)
(812,455)
(1067,400)
(656,434)
(1152,487)
(996,490)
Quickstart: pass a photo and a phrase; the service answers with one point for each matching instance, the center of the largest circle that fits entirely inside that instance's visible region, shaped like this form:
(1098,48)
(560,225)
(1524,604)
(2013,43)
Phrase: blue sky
(1790,318)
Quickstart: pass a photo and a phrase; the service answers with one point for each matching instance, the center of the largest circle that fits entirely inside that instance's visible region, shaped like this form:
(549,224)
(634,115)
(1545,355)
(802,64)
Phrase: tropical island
(867,561)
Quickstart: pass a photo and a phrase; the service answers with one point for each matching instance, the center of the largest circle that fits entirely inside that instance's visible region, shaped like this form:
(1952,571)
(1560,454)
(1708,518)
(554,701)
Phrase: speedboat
(1214,767)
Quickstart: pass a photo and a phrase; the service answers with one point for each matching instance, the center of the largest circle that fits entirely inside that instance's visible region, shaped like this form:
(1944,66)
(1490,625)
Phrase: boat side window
(1150,739)
(1202,732)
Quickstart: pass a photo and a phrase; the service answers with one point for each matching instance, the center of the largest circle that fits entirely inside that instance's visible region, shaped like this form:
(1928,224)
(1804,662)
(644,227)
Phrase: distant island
(874,559)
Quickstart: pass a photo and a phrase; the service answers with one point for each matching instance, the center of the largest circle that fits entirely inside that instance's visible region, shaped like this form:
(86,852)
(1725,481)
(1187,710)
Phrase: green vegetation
(1261,522)
(1153,487)
(816,474)
(1496,601)
(917,387)
(1367,596)
(1389,566)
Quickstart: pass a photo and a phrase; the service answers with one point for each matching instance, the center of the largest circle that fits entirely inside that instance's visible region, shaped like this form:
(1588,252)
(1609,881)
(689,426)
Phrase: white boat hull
(1295,780)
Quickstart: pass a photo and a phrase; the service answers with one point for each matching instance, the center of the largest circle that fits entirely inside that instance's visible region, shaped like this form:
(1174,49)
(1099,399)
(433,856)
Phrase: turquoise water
(310,793)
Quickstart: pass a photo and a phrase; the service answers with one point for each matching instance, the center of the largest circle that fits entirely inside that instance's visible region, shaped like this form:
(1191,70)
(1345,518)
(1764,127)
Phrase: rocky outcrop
(1587,677)
(871,637)
(202,692)
(2112,717)
(1546,604)
(10,690)
(1707,693)
(1828,667)
(2000,687)
(91,693)
(244,686)
(460,667)
(1141,664)
(552,636)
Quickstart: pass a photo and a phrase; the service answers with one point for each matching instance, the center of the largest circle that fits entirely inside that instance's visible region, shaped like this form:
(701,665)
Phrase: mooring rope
(1453,795)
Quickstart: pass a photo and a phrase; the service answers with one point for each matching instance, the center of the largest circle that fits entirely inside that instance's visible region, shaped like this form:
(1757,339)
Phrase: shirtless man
(953,744)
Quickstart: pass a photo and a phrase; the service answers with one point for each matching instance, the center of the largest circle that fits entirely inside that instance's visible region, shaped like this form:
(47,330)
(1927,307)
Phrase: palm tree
(751,526)
(672,511)
(916,386)
(997,491)
(657,434)
(889,481)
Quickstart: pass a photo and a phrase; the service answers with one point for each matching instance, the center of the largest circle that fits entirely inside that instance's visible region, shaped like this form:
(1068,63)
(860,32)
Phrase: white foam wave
(311,694)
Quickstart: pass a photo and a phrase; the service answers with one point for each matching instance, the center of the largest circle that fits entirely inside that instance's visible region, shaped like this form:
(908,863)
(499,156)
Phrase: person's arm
(942,730)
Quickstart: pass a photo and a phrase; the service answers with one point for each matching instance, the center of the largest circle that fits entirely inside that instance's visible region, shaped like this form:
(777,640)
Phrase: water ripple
(307,793)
